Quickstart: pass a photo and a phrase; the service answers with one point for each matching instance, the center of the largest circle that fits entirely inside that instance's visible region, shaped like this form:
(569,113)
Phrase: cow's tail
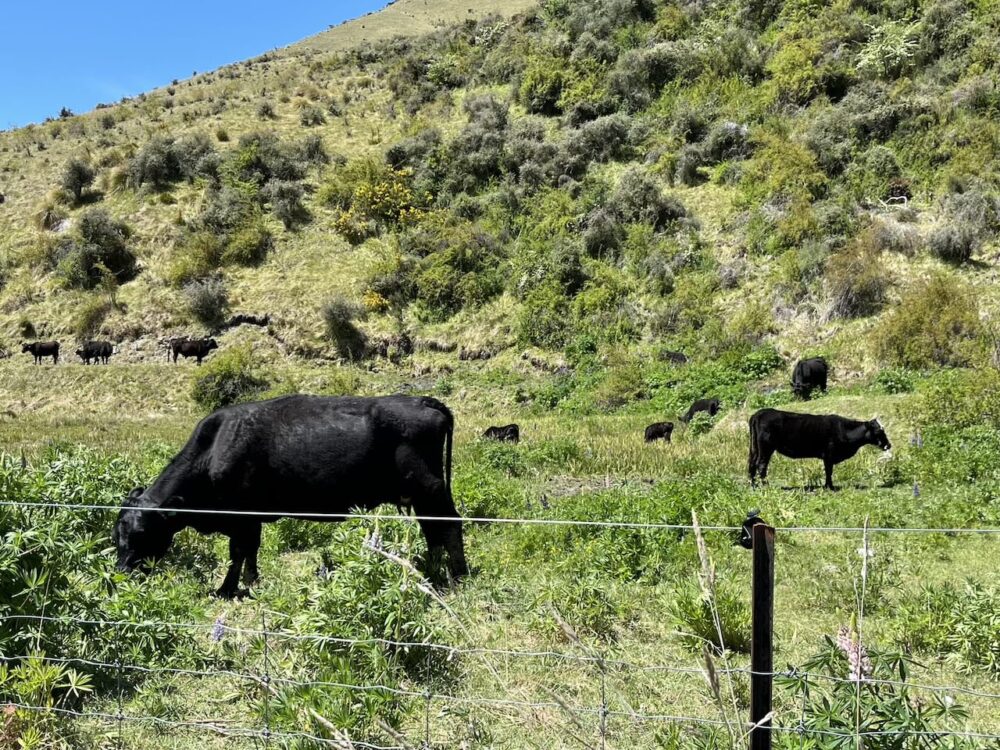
(754,449)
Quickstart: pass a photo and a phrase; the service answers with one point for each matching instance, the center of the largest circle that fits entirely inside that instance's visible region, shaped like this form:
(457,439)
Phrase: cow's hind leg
(243,545)
(433,504)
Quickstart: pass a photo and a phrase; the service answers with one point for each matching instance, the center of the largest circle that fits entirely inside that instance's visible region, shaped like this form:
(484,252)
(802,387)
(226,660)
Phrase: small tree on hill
(77,176)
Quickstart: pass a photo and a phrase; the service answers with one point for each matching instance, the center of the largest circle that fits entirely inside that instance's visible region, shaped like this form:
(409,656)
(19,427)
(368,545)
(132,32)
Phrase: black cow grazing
(42,349)
(677,358)
(659,431)
(808,375)
(510,433)
(711,405)
(292,457)
(828,437)
(197,348)
(99,351)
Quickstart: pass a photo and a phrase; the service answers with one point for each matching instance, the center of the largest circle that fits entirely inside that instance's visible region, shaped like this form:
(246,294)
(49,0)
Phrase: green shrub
(782,169)
(98,246)
(311,116)
(957,621)
(77,176)
(936,323)
(265,110)
(197,257)
(285,197)
(230,378)
(542,87)
(638,198)
(693,618)
(339,315)
(873,175)
(222,135)
(544,318)
(208,302)
(960,399)
(621,384)
(249,246)
(894,381)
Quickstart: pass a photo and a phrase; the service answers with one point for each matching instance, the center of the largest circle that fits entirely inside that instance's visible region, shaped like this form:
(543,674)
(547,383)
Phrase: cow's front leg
(229,585)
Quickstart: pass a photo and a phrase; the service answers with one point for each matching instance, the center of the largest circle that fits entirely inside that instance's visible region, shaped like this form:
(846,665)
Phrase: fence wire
(600,713)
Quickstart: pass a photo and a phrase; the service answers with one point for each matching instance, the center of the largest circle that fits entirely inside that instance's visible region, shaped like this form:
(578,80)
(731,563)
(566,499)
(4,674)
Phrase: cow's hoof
(233,594)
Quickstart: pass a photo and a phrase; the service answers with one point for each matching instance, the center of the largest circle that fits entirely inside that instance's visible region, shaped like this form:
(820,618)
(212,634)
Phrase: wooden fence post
(762,642)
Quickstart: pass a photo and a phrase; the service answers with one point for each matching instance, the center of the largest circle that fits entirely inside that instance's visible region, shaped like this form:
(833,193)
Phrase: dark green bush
(230,378)
(285,198)
(208,302)
(77,176)
(604,236)
(249,246)
(638,198)
(99,247)
(265,110)
(542,87)
(311,115)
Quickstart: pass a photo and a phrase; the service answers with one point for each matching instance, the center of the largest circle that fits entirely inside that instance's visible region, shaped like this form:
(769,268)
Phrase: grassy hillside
(523,215)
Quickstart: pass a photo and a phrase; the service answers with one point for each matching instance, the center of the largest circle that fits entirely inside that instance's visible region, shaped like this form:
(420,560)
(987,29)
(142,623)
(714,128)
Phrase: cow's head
(25,348)
(141,533)
(79,353)
(211,344)
(876,435)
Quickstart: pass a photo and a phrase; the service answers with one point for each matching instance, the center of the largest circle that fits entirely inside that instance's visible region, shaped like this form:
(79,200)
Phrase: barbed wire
(650,525)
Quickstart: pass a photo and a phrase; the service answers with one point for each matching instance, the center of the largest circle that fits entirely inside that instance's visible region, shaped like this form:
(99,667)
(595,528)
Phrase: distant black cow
(297,456)
(678,358)
(659,431)
(808,375)
(510,433)
(41,349)
(99,351)
(826,436)
(197,348)
(711,405)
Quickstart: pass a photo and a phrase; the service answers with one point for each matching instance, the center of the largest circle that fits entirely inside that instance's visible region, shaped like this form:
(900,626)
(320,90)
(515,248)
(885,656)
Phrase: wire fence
(590,717)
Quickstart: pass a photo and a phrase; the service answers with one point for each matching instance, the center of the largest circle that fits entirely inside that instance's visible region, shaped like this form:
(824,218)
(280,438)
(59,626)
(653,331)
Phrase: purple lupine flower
(322,572)
(219,629)
(916,490)
(545,502)
(856,653)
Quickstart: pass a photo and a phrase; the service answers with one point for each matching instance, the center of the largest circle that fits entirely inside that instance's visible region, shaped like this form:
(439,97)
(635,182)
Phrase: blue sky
(75,54)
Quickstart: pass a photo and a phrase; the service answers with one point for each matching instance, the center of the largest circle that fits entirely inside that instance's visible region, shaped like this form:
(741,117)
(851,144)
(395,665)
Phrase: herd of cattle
(101,351)
(318,457)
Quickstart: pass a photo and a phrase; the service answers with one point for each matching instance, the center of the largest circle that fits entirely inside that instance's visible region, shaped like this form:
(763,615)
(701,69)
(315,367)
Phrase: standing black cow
(826,436)
(510,433)
(809,374)
(42,349)
(197,348)
(659,431)
(711,405)
(293,457)
(99,351)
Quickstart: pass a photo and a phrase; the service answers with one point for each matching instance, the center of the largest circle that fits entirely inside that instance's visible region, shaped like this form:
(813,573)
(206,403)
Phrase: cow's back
(305,454)
(794,434)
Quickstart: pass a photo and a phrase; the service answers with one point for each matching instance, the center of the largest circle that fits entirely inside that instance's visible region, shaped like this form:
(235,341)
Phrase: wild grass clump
(90,317)
(935,324)
(694,619)
(952,243)
(857,282)
(207,301)
(164,160)
(340,317)
(230,378)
